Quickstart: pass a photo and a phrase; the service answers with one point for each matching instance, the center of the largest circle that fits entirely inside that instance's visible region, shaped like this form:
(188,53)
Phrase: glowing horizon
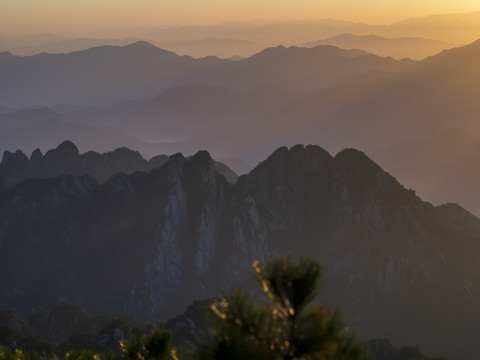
(74,17)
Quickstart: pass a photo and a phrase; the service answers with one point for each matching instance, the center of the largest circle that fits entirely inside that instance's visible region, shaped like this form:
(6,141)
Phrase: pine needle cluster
(287,324)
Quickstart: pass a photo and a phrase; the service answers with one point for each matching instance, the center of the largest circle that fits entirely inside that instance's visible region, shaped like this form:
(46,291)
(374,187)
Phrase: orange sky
(77,17)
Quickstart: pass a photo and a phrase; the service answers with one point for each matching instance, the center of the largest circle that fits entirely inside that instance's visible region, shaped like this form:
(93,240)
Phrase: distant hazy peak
(141,45)
(349,36)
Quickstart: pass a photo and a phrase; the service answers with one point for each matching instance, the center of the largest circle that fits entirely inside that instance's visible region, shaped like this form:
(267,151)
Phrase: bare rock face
(147,244)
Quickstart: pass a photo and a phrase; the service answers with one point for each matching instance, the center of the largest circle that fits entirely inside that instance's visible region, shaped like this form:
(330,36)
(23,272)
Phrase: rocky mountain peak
(201,158)
(13,167)
(36,155)
(294,161)
(16,158)
(356,168)
(67,150)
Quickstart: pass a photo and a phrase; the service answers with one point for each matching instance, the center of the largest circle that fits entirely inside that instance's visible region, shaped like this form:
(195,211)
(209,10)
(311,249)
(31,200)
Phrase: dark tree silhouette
(288,325)
(156,345)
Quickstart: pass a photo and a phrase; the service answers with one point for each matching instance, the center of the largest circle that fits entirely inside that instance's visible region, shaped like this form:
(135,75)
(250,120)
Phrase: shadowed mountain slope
(429,97)
(149,243)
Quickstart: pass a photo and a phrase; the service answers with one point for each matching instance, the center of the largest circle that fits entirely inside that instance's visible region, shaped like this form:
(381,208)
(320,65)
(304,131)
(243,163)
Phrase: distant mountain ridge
(67,160)
(440,167)
(370,111)
(399,48)
(212,46)
(149,243)
(109,74)
(57,46)
(462,27)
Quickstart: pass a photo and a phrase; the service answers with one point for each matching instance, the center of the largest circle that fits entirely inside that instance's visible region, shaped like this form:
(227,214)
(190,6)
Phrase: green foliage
(88,355)
(287,325)
(156,345)
(26,342)
(80,355)
(7,354)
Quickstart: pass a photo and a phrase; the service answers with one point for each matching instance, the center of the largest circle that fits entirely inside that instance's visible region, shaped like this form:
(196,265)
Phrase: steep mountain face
(87,230)
(385,251)
(149,243)
(67,160)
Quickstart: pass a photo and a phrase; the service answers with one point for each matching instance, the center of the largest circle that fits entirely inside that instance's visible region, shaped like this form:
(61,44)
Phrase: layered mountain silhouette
(446,27)
(440,168)
(212,46)
(149,243)
(139,70)
(435,93)
(399,48)
(371,109)
(44,128)
(105,73)
(372,106)
(67,160)
(56,46)
(451,28)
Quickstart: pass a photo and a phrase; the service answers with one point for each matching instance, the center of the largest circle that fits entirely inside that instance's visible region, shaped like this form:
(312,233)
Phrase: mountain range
(439,167)
(140,70)
(149,243)
(350,94)
(399,48)
(88,229)
(67,160)
(212,46)
(325,95)
(450,28)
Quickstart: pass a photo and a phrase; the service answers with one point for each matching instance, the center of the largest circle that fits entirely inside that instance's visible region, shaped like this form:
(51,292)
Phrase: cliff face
(149,243)
(140,244)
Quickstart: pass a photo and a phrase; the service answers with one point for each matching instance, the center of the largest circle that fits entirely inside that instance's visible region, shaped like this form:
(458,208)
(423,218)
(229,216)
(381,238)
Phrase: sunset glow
(82,17)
